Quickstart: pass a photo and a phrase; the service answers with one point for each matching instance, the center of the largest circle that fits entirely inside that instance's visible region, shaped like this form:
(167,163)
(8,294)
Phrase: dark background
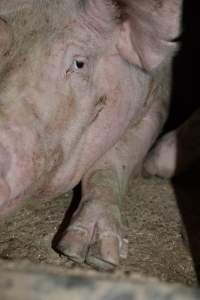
(186,75)
(185,100)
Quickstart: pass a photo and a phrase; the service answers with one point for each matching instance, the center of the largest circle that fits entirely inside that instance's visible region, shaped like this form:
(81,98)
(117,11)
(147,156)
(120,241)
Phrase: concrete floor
(154,229)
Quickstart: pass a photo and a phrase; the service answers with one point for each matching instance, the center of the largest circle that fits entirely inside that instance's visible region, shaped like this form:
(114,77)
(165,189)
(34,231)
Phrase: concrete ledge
(23,281)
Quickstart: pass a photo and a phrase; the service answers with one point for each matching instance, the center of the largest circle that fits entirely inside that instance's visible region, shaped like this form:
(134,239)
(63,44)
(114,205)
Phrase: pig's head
(82,48)
(67,61)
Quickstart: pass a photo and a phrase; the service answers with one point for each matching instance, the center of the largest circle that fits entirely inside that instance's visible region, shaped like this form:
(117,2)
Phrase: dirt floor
(152,211)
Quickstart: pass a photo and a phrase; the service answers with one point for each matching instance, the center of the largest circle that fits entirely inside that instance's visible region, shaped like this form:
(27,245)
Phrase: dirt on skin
(152,213)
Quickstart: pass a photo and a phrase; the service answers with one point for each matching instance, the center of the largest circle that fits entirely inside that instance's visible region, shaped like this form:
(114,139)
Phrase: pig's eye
(78,64)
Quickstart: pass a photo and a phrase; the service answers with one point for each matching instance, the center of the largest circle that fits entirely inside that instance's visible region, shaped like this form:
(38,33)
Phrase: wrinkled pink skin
(60,124)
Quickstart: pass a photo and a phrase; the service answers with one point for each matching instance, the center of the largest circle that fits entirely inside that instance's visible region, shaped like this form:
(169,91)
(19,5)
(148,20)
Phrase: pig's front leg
(176,151)
(95,234)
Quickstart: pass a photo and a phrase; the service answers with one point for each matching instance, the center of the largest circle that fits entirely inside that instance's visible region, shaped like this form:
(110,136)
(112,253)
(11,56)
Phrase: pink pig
(84,93)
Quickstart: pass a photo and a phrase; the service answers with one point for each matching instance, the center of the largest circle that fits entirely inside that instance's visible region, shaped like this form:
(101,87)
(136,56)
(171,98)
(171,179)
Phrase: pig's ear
(149,30)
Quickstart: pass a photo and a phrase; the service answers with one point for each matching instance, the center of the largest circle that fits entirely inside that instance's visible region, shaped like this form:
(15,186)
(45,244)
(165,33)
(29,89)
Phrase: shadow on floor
(187,189)
(67,218)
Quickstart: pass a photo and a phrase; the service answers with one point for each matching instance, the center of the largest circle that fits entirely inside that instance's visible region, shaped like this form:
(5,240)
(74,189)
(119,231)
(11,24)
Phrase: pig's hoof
(95,237)
(106,250)
(74,244)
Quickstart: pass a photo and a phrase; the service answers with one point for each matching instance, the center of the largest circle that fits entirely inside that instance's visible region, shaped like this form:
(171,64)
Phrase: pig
(84,93)
(177,151)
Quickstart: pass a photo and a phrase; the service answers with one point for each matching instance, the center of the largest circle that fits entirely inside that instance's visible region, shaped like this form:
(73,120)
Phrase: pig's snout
(6,37)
